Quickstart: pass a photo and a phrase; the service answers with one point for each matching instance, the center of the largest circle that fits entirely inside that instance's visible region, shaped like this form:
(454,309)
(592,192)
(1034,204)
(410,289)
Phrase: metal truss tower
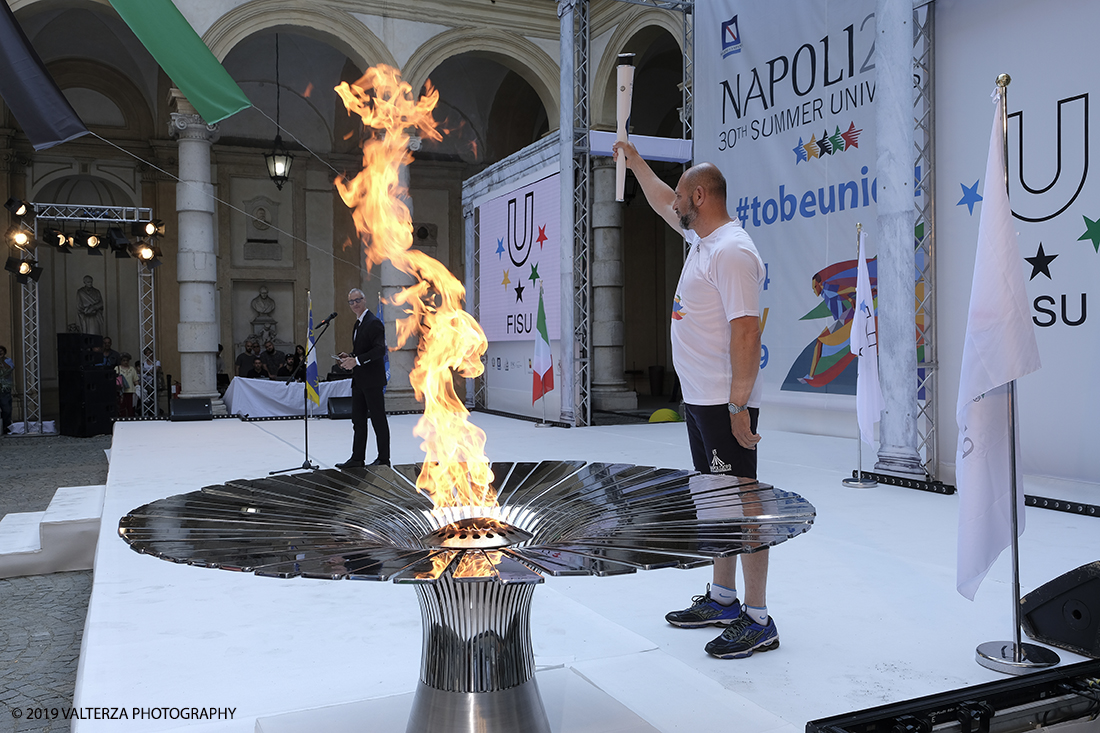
(925,234)
(32,372)
(147,335)
(32,396)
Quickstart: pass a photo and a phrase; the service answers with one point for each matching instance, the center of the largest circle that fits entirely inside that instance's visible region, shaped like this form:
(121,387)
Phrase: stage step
(19,533)
(59,539)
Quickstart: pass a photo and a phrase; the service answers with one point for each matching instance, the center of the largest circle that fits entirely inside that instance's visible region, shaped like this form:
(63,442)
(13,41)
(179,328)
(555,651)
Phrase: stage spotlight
(154,228)
(142,251)
(17,207)
(24,270)
(58,239)
(118,242)
(90,240)
(20,237)
(84,238)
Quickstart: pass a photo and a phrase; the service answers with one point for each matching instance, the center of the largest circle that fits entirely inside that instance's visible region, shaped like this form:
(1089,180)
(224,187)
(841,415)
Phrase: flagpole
(1013,657)
(859,482)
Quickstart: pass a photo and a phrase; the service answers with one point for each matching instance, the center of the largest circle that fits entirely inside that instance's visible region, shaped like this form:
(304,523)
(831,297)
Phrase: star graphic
(534,273)
(825,144)
(506,282)
(970,197)
(519,293)
(799,152)
(837,141)
(811,148)
(1092,232)
(1040,263)
(500,247)
(851,137)
(542,236)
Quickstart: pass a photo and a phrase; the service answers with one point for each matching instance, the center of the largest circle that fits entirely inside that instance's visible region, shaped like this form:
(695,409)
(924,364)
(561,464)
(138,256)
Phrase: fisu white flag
(999,348)
(864,344)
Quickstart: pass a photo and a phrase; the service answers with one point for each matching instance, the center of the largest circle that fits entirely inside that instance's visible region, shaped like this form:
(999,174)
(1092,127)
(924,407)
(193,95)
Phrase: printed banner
(519,252)
(785,107)
(1055,200)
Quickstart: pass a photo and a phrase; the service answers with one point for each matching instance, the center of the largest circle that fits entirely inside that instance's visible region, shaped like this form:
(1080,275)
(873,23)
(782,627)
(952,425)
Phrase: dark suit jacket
(369,348)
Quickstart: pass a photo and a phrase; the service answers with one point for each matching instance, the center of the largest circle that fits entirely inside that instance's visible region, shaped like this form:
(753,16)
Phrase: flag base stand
(544,424)
(1000,656)
(857,481)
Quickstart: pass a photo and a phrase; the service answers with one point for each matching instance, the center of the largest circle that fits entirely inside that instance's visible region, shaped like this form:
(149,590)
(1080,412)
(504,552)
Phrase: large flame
(456,469)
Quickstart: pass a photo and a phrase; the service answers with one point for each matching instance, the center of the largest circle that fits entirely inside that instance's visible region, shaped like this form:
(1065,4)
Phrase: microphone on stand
(326,321)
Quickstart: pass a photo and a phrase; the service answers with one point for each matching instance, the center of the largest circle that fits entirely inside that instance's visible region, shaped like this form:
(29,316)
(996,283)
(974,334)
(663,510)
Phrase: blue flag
(312,388)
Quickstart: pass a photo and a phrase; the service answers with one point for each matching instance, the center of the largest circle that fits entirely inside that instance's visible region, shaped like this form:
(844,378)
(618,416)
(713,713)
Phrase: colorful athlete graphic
(823,365)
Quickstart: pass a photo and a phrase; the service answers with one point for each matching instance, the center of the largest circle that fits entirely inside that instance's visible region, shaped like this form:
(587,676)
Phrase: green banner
(186,60)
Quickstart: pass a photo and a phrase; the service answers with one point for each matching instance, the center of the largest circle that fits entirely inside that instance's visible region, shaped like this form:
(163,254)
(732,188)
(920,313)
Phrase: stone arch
(633,23)
(333,27)
(83,188)
(35,6)
(111,83)
(511,51)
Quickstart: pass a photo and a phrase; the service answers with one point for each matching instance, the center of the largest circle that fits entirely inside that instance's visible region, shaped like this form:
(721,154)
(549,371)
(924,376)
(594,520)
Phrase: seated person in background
(272,358)
(258,370)
(127,386)
(289,367)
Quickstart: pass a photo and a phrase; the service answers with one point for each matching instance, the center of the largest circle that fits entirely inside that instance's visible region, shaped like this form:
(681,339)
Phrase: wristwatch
(734,409)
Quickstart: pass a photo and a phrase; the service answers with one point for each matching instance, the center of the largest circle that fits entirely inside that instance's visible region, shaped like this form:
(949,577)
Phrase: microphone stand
(306,465)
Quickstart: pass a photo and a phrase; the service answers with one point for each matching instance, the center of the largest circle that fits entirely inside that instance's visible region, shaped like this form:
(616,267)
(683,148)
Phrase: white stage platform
(865,602)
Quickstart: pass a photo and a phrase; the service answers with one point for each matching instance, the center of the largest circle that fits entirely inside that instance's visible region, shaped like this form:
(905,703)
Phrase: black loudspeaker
(193,408)
(1066,611)
(339,408)
(78,350)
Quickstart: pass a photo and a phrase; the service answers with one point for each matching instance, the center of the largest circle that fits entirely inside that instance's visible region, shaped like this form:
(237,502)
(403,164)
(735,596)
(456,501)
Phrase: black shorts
(713,447)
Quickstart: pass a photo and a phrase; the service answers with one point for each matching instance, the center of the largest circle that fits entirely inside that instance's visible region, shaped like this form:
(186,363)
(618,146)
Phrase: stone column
(197,333)
(896,264)
(609,390)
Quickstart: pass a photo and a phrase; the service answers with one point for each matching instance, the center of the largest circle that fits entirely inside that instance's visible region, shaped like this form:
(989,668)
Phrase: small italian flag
(543,365)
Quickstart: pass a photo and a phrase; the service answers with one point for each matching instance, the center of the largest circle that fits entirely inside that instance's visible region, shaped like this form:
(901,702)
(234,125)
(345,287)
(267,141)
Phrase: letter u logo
(519,243)
(1037,202)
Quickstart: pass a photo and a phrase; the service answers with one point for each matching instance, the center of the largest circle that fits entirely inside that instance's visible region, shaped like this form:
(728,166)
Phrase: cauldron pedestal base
(518,708)
(573,705)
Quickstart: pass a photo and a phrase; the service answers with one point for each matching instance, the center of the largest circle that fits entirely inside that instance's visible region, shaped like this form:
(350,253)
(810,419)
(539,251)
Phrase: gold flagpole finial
(1004,80)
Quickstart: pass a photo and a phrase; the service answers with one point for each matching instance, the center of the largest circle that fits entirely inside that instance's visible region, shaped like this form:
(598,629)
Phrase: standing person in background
(368,381)
(7,386)
(244,359)
(716,352)
(110,356)
(128,382)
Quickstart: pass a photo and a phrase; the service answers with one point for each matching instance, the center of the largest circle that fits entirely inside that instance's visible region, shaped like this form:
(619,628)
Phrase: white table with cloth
(276,398)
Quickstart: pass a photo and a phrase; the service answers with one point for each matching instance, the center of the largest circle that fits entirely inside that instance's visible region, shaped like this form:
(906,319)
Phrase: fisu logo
(520,241)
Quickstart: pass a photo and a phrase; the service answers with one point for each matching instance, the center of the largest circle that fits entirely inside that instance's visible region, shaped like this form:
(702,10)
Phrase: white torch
(625,91)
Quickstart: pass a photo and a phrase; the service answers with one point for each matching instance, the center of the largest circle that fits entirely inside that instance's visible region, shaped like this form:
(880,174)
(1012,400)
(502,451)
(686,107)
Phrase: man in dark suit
(368,378)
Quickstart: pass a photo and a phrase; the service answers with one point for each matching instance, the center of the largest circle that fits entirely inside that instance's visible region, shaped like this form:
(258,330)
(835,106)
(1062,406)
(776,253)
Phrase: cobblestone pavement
(42,616)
